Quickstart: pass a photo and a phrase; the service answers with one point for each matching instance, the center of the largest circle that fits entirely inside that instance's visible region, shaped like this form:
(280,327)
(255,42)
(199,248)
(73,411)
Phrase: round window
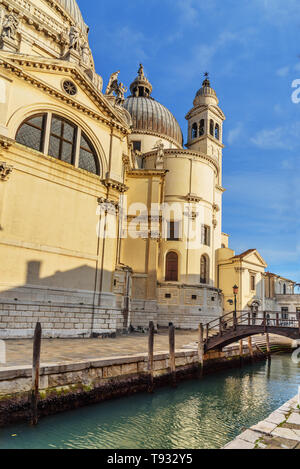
(69,87)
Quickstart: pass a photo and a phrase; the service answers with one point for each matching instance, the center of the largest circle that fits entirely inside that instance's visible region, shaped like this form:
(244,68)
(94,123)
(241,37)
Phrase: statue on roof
(160,148)
(120,93)
(74,38)
(112,86)
(141,71)
(10,27)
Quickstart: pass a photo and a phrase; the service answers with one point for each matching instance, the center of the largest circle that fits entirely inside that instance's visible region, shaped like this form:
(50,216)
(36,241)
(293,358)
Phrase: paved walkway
(281,430)
(19,352)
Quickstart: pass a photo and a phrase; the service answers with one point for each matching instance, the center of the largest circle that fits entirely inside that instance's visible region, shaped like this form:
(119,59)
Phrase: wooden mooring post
(151,357)
(36,373)
(250,347)
(172,354)
(201,349)
(241,348)
(268,346)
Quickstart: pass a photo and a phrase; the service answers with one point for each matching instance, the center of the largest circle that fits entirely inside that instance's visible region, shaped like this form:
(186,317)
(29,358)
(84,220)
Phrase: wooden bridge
(233,327)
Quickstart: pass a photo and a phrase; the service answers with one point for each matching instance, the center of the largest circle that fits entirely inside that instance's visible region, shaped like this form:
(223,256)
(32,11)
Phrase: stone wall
(19,320)
(71,385)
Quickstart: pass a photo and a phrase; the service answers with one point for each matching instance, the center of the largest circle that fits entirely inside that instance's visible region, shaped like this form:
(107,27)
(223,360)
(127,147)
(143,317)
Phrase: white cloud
(284,137)
(283,72)
(278,12)
(235,133)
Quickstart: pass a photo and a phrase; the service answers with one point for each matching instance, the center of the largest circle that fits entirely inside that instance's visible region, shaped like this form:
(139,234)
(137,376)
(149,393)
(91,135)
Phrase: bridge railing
(267,319)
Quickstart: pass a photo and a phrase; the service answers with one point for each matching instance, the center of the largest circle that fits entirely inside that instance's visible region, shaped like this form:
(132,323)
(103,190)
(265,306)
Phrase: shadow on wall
(78,286)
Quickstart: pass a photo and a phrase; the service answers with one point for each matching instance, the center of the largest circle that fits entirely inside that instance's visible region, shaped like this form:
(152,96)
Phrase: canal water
(196,415)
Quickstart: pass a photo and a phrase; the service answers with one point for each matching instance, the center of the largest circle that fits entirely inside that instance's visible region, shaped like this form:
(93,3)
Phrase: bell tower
(205,123)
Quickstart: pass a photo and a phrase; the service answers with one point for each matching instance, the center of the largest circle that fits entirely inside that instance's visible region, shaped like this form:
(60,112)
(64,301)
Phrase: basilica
(108,219)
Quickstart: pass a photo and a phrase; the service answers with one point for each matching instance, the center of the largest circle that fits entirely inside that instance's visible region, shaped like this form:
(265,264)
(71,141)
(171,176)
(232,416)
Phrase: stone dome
(73,10)
(147,114)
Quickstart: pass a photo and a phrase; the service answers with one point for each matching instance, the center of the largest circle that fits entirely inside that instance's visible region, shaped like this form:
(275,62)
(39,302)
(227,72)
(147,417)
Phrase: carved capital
(5,171)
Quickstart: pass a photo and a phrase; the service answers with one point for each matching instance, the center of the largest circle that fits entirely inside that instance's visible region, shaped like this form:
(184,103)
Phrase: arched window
(87,157)
(32,132)
(62,143)
(66,141)
(194,131)
(212,128)
(202,128)
(172,267)
(217,132)
(204,271)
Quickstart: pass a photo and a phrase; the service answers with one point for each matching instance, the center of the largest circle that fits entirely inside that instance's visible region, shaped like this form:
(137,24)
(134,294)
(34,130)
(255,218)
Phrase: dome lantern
(141,86)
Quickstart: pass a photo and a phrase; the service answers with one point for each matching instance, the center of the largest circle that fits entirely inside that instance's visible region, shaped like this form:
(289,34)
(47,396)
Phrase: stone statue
(85,54)
(141,71)
(120,92)
(10,27)
(74,38)
(112,86)
(159,163)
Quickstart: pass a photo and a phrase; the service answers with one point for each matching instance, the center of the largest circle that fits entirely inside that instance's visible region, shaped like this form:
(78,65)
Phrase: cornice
(206,107)
(15,64)
(5,142)
(209,137)
(221,189)
(185,153)
(146,173)
(116,185)
(155,134)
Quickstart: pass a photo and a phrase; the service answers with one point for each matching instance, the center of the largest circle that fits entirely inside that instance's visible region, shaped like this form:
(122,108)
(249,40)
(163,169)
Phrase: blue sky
(252,51)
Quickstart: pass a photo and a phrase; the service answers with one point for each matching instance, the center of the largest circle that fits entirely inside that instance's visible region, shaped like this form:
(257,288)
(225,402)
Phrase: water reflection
(199,414)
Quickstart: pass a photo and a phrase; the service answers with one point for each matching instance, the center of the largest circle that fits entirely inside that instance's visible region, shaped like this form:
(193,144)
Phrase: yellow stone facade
(57,257)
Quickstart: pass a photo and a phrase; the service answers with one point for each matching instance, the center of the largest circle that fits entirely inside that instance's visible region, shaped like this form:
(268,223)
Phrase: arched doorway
(172,267)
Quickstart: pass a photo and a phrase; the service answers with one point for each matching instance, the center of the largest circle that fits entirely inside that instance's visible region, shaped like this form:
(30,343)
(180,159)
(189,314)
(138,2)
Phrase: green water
(199,414)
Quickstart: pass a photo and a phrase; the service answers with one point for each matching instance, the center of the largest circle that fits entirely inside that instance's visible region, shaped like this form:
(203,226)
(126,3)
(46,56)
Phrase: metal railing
(267,319)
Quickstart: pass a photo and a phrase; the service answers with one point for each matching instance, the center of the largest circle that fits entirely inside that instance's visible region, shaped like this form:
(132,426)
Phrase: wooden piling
(250,347)
(201,349)
(36,373)
(241,348)
(172,358)
(268,346)
(151,357)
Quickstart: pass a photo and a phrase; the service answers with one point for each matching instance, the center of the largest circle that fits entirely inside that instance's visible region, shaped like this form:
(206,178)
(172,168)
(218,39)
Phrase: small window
(31,133)
(168,295)
(204,275)
(137,145)
(173,231)
(202,128)
(194,131)
(285,313)
(284,289)
(212,128)
(252,283)
(206,235)
(194,297)
(217,132)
